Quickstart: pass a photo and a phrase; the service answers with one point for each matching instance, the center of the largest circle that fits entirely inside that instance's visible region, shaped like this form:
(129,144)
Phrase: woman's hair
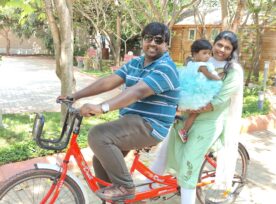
(156,28)
(200,44)
(233,39)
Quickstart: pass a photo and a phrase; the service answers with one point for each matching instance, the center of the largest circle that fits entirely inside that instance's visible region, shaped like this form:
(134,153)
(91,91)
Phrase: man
(147,109)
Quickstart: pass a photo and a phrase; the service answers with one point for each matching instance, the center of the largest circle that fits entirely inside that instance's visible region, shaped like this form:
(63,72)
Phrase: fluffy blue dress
(196,90)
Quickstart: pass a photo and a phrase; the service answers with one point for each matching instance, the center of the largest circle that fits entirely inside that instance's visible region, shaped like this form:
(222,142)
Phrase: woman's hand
(88,110)
(206,108)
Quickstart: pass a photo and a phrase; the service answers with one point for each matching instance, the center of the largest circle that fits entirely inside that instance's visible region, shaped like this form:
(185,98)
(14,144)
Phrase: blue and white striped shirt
(162,77)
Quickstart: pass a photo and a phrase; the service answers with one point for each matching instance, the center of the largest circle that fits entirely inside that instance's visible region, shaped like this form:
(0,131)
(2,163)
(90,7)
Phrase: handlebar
(72,122)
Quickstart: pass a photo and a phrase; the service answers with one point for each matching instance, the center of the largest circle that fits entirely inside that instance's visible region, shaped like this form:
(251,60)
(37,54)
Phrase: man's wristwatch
(105,107)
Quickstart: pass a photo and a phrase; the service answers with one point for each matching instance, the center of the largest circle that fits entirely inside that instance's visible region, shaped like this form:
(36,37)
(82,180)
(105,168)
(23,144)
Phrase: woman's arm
(230,85)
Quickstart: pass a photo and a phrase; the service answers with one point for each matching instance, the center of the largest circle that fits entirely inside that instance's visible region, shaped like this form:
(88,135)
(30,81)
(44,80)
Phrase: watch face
(105,107)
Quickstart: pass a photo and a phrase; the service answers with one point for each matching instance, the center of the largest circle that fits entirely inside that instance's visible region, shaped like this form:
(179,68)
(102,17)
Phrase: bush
(250,103)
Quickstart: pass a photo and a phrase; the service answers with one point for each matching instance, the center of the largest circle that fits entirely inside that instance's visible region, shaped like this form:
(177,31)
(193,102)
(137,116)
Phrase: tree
(23,20)
(238,16)
(8,23)
(263,15)
(104,18)
(224,14)
(109,19)
(163,11)
(123,20)
(199,11)
(59,14)
(60,18)
(232,13)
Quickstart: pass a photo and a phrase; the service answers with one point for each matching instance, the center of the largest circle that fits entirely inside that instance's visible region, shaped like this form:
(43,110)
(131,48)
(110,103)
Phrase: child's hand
(206,108)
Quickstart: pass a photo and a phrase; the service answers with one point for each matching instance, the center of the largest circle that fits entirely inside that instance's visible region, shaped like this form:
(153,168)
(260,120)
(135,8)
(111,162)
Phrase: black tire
(31,186)
(238,181)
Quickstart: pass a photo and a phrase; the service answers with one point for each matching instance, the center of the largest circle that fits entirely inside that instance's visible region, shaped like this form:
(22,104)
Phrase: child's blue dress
(196,90)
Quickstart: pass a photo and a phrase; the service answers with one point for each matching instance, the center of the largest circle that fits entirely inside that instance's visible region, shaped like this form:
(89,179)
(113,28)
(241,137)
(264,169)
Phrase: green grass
(97,73)
(106,64)
(16,140)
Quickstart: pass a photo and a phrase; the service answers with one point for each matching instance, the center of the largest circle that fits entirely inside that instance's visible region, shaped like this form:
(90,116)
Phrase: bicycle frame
(169,182)
(92,181)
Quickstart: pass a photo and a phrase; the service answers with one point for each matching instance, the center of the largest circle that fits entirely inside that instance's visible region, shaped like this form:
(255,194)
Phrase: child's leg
(187,126)
(190,120)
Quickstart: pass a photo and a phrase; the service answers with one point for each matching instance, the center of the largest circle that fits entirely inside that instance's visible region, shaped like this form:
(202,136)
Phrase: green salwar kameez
(186,158)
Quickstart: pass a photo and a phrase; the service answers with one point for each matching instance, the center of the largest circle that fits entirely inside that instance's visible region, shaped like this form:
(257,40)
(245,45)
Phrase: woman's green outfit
(207,130)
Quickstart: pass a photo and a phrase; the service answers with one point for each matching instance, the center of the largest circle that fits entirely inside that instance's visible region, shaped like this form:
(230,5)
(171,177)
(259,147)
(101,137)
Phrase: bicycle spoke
(208,175)
(31,187)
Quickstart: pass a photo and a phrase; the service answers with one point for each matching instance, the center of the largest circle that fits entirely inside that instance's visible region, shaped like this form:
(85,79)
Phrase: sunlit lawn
(16,139)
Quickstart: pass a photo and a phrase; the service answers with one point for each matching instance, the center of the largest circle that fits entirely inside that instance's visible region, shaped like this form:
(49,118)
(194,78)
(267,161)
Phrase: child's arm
(208,74)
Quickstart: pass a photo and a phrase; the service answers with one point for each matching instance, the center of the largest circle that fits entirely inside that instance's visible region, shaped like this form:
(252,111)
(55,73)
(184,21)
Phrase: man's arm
(130,95)
(99,86)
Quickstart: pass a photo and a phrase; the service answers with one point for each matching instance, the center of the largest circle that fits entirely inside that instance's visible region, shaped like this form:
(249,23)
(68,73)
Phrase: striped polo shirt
(162,77)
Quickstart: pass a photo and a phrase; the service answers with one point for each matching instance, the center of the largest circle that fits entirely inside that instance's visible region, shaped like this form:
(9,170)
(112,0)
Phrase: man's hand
(88,110)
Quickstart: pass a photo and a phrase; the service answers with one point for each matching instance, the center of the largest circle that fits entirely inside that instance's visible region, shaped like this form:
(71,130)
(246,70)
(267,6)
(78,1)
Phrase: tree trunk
(257,56)
(224,14)
(118,41)
(257,53)
(62,32)
(8,45)
(238,15)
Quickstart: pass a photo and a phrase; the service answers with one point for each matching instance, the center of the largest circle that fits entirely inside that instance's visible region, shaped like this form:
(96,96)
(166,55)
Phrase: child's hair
(200,44)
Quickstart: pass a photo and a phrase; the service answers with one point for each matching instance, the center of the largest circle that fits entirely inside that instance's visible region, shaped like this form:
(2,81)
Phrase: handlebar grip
(68,99)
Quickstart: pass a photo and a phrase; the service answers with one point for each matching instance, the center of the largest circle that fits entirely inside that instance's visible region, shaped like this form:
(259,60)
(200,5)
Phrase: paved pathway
(29,84)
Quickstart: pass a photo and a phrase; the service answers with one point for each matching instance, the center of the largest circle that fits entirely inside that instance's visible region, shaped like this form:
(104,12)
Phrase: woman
(218,123)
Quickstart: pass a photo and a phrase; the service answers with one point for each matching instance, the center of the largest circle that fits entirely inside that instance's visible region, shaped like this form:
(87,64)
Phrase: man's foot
(116,192)
(183,135)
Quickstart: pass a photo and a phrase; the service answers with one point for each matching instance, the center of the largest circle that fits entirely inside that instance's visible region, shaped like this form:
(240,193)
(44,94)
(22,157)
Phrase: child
(199,83)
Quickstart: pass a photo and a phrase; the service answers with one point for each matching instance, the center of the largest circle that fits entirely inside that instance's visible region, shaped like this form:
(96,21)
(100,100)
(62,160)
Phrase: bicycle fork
(56,186)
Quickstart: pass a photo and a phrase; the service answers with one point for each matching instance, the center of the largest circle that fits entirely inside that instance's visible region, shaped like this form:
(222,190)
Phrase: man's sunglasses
(157,39)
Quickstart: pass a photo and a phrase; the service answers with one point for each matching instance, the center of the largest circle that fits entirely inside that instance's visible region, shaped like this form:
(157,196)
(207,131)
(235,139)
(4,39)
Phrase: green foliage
(254,91)
(16,141)
(105,71)
(80,51)
(250,103)
(26,18)
(3,2)
(250,106)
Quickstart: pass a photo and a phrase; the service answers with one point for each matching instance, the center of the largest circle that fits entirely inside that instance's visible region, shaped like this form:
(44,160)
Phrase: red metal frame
(169,182)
